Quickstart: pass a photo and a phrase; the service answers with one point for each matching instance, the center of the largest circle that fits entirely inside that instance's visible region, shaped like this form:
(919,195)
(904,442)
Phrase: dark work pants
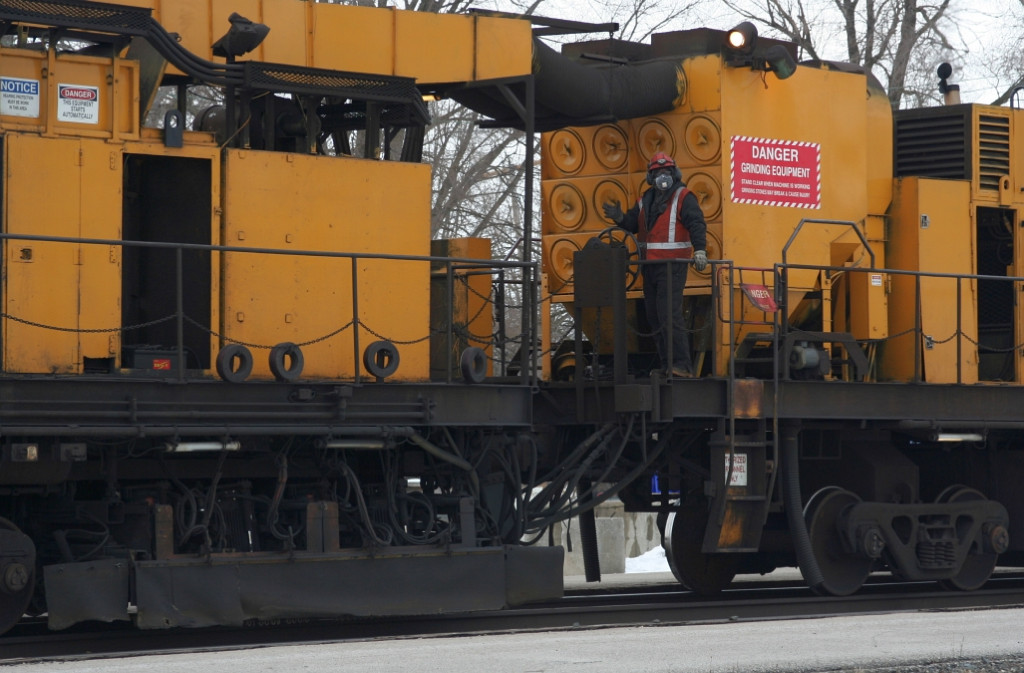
(665,313)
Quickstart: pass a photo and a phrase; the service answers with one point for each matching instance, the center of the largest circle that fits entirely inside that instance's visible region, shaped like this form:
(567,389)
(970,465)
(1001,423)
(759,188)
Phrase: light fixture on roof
(777,60)
(741,51)
(743,37)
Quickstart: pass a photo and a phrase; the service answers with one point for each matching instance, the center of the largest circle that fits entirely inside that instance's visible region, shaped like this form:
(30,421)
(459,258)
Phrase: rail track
(580,609)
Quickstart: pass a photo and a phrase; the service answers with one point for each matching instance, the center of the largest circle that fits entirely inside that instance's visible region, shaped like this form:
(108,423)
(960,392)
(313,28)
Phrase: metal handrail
(918,328)
(452,266)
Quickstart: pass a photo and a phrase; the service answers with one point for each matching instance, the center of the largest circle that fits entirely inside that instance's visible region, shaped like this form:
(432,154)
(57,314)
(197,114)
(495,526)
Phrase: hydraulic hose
(794,506)
(441,454)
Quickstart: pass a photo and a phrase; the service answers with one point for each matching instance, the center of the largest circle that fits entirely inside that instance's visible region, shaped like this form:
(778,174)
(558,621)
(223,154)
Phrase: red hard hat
(660,160)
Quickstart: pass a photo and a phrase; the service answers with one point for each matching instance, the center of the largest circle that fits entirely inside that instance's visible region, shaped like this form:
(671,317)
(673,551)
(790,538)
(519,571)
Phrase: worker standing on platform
(669,225)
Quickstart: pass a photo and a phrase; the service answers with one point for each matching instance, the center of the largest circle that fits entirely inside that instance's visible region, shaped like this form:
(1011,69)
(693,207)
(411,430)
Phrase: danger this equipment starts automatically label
(771,172)
(78,103)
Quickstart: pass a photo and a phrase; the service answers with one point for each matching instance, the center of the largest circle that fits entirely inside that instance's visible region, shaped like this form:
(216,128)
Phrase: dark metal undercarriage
(96,472)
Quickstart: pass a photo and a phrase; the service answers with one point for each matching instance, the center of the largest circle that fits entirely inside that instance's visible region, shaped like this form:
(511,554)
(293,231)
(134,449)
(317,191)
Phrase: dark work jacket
(655,202)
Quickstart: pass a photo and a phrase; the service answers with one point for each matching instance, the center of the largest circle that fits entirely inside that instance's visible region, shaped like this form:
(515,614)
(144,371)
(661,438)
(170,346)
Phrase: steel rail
(625,606)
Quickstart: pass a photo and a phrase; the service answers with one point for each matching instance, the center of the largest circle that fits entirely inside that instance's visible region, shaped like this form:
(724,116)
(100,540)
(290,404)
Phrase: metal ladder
(743,452)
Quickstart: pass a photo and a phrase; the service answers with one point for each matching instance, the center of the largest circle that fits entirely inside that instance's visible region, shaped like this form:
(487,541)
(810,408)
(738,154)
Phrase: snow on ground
(653,561)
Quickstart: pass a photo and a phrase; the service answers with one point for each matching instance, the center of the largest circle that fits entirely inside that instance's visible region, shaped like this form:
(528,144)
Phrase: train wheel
(17,574)
(843,573)
(701,573)
(978,565)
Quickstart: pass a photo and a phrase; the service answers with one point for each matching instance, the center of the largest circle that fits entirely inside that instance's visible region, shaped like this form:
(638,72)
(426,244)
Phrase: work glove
(613,211)
(700,260)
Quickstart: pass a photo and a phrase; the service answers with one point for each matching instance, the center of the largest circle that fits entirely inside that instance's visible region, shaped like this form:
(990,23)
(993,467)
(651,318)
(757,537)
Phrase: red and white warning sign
(760,296)
(78,103)
(771,172)
(739,469)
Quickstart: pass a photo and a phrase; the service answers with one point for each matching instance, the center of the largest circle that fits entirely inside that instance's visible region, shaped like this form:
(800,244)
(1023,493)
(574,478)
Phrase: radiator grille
(933,145)
(942,142)
(993,150)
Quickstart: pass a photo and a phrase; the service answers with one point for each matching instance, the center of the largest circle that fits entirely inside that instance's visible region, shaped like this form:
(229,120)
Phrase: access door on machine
(61,299)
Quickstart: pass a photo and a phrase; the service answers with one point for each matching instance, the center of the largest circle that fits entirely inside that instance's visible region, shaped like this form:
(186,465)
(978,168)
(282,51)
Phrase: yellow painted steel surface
(942,242)
(432,48)
(69,188)
(761,154)
(797,113)
(70,95)
(301,202)
(470,293)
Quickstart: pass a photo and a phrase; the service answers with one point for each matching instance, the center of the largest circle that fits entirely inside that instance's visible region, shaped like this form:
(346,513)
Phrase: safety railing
(983,316)
(911,311)
(508,278)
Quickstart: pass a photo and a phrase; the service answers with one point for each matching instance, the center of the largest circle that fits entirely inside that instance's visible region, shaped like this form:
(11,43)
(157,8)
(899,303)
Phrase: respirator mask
(663,181)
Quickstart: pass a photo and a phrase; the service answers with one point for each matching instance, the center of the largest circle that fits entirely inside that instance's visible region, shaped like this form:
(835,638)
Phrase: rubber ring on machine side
(286,361)
(381,359)
(227,359)
(474,364)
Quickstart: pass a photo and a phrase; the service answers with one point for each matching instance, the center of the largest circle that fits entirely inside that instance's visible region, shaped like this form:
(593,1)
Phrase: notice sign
(78,103)
(770,172)
(19,97)
(739,469)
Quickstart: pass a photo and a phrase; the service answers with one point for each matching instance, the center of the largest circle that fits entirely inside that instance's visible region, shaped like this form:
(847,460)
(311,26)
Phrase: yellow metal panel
(107,102)
(126,100)
(559,262)
(583,152)
(287,40)
(100,288)
(755,233)
(358,39)
(1016,156)
(702,84)
(470,297)
(190,19)
(879,149)
(651,135)
(302,202)
(780,111)
(90,77)
(434,47)
(574,205)
(865,313)
(475,296)
(40,278)
(428,47)
(944,245)
(503,47)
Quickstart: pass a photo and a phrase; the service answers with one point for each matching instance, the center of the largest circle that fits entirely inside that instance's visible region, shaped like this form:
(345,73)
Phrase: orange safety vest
(668,238)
